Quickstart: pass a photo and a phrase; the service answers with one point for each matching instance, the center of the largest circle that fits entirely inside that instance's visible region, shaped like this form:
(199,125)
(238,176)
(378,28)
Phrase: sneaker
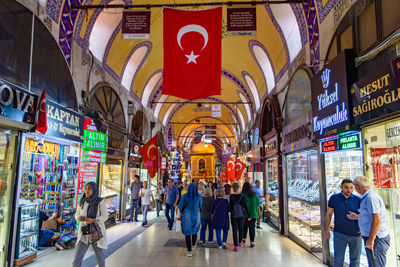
(235,249)
(240,244)
(259,227)
(210,242)
(252,245)
(202,244)
(224,245)
(194,246)
(219,247)
(189,254)
(136,220)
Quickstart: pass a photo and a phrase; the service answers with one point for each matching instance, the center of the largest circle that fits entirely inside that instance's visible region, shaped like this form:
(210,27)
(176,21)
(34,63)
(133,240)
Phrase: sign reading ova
(192,28)
(148,151)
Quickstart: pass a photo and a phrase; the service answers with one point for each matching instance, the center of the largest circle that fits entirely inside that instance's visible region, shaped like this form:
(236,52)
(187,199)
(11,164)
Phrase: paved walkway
(132,245)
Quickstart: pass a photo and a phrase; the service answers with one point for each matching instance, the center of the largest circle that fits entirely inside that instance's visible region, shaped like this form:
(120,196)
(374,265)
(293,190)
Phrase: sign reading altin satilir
(329,96)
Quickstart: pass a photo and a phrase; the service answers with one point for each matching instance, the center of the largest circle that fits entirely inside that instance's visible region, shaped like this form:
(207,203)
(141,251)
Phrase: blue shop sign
(330,96)
(64,123)
(17,104)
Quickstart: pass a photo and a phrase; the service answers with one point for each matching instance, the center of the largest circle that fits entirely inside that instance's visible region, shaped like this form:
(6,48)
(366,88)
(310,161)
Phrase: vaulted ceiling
(251,65)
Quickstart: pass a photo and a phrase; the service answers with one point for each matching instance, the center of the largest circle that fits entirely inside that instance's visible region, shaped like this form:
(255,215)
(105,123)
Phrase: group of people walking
(203,211)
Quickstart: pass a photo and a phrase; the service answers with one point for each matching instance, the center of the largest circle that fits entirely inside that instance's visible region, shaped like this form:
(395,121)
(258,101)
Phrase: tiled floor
(147,249)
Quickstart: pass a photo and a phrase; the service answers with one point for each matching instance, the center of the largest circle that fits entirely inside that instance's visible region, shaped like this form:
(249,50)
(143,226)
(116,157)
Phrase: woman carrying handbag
(91,213)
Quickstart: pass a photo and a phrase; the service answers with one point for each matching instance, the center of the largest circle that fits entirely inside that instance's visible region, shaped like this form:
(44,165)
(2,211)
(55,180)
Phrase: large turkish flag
(149,154)
(192,53)
(239,168)
(230,169)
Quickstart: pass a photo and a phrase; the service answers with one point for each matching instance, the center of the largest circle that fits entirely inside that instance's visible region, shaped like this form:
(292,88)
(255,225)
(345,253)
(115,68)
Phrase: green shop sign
(94,141)
(350,142)
(93,156)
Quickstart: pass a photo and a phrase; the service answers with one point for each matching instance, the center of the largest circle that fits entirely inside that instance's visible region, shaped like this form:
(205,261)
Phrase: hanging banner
(63,123)
(330,96)
(216,111)
(241,21)
(136,24)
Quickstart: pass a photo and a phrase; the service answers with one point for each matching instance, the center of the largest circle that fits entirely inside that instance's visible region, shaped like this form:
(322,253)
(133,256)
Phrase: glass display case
(272,199)
(111,186)
(304,197)
(341,165)
(28,233)
(7,149)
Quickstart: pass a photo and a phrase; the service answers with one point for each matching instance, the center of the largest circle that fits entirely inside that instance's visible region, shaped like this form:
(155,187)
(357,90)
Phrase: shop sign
(136,24)
(216,110)
(374,96)
(393,131)
(329,96)
(95,141)
(64,123)
(270,146)
(297,135)
(163,163)
(341,142)
(241,21)
(115,139)
(93,156)
(17,104)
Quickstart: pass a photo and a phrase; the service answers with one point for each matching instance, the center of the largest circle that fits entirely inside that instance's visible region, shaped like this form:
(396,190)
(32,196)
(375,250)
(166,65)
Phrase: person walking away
(145,195)
(91,213)
(220,216)
(227,188)
(260,194)
(238,207)
(158,198)
(373,222)
(171,196)
(346,231)
(135,188)
(205,217)
(250,219)
(189,206)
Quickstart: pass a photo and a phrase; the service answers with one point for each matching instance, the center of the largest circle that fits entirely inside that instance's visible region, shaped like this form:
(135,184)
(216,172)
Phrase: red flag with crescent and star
(230,169)
(149,154)
(41,125)
(223,175)
(239,168)
(192,53)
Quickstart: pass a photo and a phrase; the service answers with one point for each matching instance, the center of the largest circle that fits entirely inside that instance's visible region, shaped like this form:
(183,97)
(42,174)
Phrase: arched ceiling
(251,65)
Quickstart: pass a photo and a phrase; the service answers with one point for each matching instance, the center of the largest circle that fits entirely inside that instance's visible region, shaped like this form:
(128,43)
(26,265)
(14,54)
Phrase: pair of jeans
(170,214)
(80,251)
(145,208)
(158,206)
(377,257)
(190,241)
(224,237)
(340,243)
(134,208)
(251,227)
(204,224)
(237,227)
(260,213)
(45,236)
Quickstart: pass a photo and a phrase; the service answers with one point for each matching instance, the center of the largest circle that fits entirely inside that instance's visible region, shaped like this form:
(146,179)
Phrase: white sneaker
(219,247)
(210,242)
(194,246)
(189,254)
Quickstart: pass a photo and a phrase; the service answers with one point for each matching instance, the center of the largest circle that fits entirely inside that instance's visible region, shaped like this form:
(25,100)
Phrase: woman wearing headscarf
(250,219)
(91,210)
(189,206)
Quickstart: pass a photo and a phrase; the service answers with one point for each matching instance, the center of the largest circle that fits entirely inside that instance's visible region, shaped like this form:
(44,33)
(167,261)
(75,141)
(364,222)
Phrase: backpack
(237,211)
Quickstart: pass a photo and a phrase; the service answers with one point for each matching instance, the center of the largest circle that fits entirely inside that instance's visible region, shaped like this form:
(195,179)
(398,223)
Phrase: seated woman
(46,234)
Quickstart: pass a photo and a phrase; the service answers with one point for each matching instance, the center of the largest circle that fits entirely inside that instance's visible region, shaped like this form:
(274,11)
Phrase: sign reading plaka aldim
(93,140)
(330,98)
(63,123)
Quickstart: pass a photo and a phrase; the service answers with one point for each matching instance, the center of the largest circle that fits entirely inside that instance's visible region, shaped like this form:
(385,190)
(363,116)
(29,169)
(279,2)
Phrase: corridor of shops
(277,119)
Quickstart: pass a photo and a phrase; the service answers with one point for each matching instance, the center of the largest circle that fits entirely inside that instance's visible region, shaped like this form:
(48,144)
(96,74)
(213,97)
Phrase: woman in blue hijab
(189,206)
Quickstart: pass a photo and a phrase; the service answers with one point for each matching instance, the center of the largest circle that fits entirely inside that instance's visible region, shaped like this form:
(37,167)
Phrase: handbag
(85,230)
(95,232)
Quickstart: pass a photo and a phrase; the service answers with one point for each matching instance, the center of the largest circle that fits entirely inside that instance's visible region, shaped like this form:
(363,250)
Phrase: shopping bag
(152,205)
(178,222)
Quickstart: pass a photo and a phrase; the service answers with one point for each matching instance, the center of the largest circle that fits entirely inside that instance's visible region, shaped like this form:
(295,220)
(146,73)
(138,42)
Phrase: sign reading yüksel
(241,21)
(136,24)
(63,123)
(374,96)
(17,104)
(330,98)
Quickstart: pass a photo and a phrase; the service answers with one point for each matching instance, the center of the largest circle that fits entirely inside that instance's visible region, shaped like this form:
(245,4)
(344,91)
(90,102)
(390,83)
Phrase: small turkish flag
(205,175)
(239,168)
(149,153)
(230,169)
(223,175)
(192,53)
(41,125)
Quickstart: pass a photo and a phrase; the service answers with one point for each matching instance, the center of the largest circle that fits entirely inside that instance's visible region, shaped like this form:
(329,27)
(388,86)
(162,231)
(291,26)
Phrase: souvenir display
(176,161)
(28,231)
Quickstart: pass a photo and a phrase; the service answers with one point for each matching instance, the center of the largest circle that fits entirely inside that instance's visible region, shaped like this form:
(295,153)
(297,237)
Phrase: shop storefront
(14,117)
(134,164)
(340,144)
(272,182)
(48,171)
(376,106)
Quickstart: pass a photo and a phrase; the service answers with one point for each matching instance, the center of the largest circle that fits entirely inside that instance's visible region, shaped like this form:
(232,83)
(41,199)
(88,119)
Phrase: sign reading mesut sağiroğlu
(329,96)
